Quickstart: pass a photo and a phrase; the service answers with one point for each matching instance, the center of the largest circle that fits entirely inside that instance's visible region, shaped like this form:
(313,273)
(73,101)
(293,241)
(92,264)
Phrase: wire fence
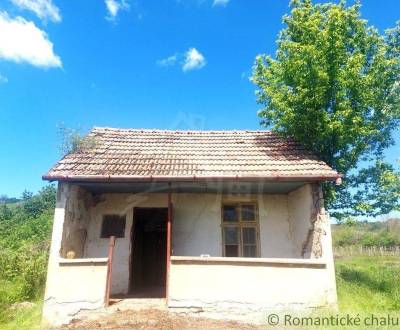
(344,251)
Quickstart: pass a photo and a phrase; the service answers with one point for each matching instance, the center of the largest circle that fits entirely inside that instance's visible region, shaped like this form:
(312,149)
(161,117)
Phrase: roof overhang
(213,187)
(132,179)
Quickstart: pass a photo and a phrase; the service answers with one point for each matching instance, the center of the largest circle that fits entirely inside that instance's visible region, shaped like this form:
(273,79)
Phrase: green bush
(24,245)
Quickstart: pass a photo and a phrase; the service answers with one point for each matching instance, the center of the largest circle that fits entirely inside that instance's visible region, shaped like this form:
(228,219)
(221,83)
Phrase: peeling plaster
(77,217)
(316,231)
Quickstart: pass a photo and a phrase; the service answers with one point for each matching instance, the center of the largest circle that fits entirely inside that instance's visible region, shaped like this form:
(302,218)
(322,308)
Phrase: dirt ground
(155,319)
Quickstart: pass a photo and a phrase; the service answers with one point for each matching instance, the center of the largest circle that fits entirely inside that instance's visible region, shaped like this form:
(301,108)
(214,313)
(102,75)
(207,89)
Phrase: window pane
(231,250)
(231,235)
(248,212)
(230,213)
(249,251)
(249,235)
(113,225)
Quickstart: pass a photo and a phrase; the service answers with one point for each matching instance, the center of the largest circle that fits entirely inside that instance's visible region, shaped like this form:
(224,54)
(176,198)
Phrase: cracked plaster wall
(71,287)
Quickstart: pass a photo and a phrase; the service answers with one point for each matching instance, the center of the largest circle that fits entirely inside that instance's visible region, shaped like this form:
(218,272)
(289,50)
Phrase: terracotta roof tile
(139,154)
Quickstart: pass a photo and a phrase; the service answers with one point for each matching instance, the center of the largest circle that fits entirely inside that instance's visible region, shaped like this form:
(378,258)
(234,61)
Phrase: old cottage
(206,220)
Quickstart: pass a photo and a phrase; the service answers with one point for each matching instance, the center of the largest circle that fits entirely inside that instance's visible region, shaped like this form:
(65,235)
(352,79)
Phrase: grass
(21,319)
(368,284)
(365,285)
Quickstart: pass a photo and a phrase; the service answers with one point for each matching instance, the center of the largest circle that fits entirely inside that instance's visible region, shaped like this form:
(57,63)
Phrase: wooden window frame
(240,224)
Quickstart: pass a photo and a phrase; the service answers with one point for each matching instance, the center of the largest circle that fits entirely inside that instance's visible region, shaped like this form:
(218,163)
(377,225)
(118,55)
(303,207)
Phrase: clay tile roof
(139,154)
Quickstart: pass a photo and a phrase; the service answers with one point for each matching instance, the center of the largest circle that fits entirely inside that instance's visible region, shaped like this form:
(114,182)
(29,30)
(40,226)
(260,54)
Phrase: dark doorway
(149,245)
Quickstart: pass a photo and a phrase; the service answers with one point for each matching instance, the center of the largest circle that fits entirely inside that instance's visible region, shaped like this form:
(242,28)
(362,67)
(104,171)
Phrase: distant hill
(380,233)
(4,199)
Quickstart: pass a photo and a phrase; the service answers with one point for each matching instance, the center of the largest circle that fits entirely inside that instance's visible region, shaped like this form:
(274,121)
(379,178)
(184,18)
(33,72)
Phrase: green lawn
(365,285)
(368,284)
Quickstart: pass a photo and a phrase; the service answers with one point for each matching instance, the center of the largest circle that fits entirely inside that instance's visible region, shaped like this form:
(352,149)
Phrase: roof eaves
(192,178)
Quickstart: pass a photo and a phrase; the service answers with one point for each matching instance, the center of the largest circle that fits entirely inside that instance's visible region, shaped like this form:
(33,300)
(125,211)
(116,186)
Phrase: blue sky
(146,64)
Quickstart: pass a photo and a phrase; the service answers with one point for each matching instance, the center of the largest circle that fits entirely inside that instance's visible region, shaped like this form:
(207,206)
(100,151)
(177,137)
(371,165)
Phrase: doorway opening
(148,257)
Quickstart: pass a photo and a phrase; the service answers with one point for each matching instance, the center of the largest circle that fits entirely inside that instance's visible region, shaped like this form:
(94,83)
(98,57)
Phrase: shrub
(24,244)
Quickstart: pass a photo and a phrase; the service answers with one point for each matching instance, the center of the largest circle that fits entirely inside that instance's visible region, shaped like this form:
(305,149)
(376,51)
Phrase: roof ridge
(181,130)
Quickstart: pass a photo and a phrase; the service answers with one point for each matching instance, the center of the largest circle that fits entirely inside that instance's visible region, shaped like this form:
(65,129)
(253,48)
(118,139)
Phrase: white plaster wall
(197,225)
(246,288)
(74,288)
(196,228)
(96,247)
(69,288)
(275,236)
(300,208)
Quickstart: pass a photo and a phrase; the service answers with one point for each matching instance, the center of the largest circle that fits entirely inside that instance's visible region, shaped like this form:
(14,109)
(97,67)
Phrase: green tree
(333,85)
(44,200)
(26,195)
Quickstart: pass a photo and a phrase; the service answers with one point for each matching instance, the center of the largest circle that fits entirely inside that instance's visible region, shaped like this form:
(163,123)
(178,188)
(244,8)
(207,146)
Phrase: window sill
(272,262)
(82,261)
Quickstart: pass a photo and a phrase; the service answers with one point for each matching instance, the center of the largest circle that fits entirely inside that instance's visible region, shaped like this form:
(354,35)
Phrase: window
(113,225)
(240,230)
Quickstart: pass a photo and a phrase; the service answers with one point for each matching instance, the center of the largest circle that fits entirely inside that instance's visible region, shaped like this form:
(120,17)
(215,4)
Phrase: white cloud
(190,60)
(220,3)
(114,7)
(22,42)
(169,61)
(193,60)
(44,9)
(3,79)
